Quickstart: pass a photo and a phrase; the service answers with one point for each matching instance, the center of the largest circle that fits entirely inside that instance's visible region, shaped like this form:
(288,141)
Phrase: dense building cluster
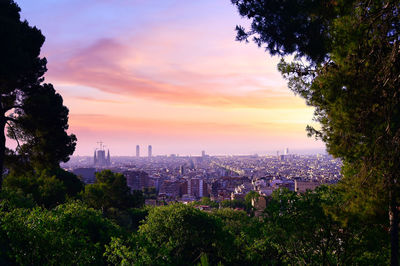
(188,178)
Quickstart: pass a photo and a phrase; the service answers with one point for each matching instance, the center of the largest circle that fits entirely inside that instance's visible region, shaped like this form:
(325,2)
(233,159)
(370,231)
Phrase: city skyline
(169,73)
(137,147)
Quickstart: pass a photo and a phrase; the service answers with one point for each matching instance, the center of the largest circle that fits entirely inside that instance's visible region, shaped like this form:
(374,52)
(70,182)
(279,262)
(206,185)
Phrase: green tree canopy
(301,230)
(248,246)
(69,234)
(351,76)
(47,188)
(179,234)
(205,201)
(111,191)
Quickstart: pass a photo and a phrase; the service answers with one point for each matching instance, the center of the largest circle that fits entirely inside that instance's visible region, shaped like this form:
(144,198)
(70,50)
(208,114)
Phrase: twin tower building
(101,160)
(149,151)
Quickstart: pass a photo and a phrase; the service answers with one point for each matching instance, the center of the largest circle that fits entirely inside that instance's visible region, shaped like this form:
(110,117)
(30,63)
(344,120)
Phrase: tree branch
(13,132)
(11,119)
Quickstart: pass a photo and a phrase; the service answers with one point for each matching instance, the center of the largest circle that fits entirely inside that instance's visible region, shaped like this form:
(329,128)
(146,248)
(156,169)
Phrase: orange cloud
(179,127)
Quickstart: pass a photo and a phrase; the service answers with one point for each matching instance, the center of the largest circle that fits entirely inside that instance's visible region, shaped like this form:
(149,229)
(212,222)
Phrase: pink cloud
(113,67)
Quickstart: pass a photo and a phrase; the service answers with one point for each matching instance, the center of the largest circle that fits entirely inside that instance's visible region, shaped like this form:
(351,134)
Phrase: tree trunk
(2,148)
(394,228)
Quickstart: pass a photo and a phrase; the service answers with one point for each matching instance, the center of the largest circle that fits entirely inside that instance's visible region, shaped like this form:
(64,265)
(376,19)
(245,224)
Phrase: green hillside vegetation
(294,228)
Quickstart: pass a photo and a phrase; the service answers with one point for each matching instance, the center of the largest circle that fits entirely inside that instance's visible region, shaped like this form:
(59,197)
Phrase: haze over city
(169,74)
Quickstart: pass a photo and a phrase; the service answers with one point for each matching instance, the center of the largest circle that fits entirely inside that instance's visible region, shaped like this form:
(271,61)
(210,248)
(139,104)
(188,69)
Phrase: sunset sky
(166,73)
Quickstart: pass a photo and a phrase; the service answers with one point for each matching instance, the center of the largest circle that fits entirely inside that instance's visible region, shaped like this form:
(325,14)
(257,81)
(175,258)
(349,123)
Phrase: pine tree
(346,65)
(32,112)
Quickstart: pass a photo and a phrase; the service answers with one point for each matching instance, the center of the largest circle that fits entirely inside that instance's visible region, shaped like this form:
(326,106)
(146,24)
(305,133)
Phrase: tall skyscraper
(137,151)
(286,152)
(150,152)
(203,153)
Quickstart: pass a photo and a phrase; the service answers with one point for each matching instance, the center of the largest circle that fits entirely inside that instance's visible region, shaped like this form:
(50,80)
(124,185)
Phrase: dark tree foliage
(301,230)
(21,65)
(351,76)
(287,27)
(42,125)
(33,112)
(72,183)
(150,193)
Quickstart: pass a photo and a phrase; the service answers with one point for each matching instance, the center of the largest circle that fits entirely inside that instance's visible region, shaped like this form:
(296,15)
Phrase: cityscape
(189,178)
(213,132)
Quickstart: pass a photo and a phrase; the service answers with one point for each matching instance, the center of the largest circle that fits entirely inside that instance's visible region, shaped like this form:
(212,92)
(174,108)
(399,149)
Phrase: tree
(69,234)
(350,75)
(249,198)
(205,201)
(32,112)
(72,183)
(47,188)
(294,26)
(247,236)
(179,234)
(120,252)
(236,203)
(302,231)
(111,191)
(150,193)
(41,124)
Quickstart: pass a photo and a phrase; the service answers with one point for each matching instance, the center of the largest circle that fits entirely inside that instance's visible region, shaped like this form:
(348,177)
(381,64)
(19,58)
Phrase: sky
(167,73)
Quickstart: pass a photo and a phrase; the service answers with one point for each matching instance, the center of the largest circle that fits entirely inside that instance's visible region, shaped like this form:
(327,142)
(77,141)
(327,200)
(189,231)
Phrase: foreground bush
(173,235)
(67,235)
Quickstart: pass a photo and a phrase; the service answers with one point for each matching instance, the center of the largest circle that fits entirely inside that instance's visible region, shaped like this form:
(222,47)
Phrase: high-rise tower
(137,151)
(286,152)
(150,151)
